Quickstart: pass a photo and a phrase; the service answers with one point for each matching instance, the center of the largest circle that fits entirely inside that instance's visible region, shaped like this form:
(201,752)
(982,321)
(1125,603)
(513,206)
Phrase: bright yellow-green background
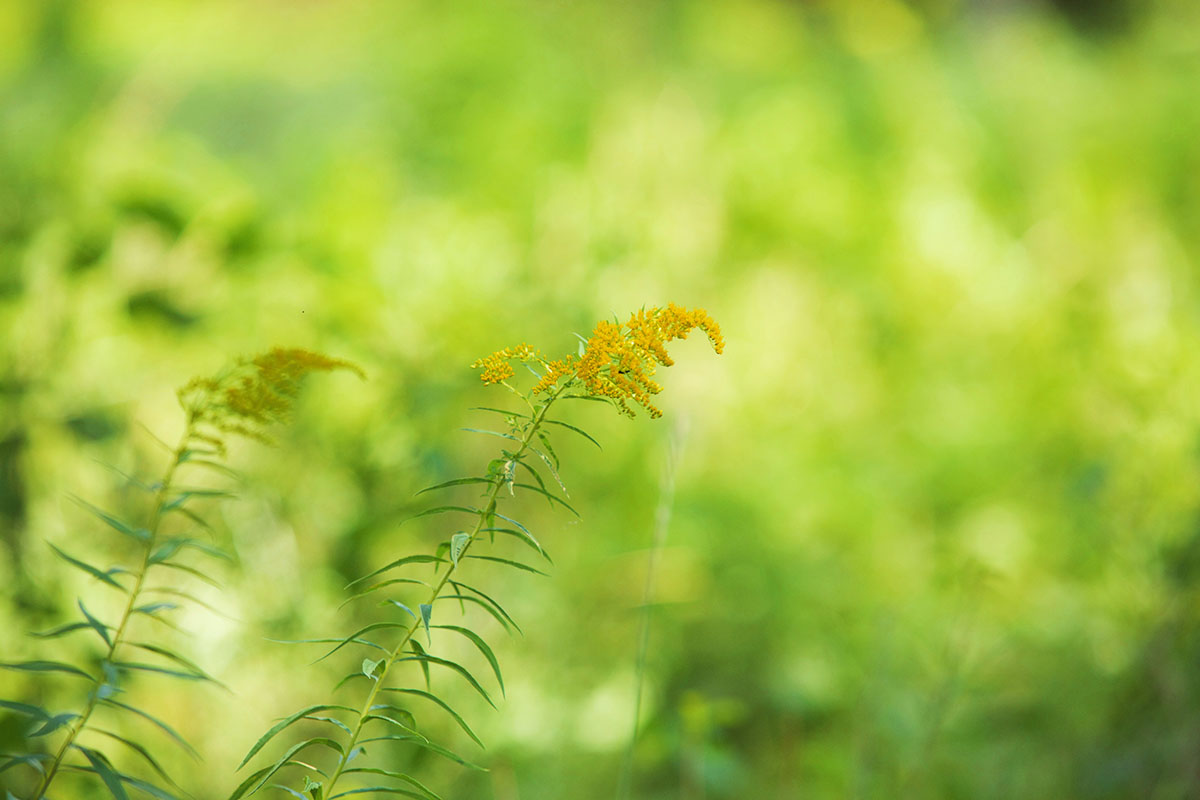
(935,529)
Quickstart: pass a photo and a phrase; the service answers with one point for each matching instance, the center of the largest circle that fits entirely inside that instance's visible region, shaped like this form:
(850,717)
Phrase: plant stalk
(118,638)
(489,504)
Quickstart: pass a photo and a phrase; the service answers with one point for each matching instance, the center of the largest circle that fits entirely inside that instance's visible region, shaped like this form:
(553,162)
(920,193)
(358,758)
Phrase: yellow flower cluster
(618,360)
(255,393)
(496,367)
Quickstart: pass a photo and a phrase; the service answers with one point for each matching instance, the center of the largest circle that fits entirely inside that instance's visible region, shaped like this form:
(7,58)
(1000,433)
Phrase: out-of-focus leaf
(103,575)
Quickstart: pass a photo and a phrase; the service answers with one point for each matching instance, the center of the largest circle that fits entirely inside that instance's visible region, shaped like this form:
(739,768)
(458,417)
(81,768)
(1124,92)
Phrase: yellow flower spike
(618,361)
(252,395)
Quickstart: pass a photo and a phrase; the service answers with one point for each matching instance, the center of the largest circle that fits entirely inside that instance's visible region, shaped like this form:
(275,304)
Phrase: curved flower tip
(618,361)
(253,394)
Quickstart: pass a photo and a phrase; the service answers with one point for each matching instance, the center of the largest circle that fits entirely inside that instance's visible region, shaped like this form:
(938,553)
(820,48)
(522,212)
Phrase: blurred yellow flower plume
(252,395)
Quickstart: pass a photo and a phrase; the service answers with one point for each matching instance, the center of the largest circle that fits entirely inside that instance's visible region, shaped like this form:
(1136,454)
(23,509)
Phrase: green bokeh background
(935,529)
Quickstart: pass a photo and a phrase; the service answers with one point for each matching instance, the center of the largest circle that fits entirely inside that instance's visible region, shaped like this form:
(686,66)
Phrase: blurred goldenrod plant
(615,365)
(243,401)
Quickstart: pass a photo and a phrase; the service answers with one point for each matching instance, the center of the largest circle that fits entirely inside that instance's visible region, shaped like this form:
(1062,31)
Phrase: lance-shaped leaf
(374,626)
(524,536)
(112,780)
(552,498)
(516,414)
(186,663)
(400,562)
(286,758)
(381,585)
(400,776)
(137,748)
(570,427)
(285,722)
(190,570)
(361,641)
(490,602)
(162,726)
(455,482)
(415,647)
(426,614)
(508,436)
(32,760)
(380,790)
(137,666)
(45,666)
(509,562)
(462,723)
(52,724)
(99,627)
(174,545)
(102,575)
(459,668)
(421,741)
(478,641)
(137,534)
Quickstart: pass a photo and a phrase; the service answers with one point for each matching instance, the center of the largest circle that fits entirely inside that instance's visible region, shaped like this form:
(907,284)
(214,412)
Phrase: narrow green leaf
(137,666)
(335,722)
(173,546)
(421,741)
(45,666)
(137,748)
(112,780)
(462,723)
(25,709)
(508,436)
(245,785)
(381,585)
(286,758)
(459,668)
(187,664)
(381,790)
(106,576)
(510,563)
(285,722)
(524,536)
(33,760)
(138,534)
(455,482)
(478,641)
(168,590)
(61,630)
(545,440)
(552,498)
(150,609)
(569,427)
(164,727)
(415,647)
(517,414)
(553,469)
(95,624)
(400,562)
(400,776)
(374,626)
(190,570)
(53,724)
(366,642)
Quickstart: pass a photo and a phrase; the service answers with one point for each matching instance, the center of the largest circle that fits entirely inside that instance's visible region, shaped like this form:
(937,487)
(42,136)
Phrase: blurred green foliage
(937,524)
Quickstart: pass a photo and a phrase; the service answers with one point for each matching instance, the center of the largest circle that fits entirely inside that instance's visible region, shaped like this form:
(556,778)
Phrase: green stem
(489,505)
(118,638)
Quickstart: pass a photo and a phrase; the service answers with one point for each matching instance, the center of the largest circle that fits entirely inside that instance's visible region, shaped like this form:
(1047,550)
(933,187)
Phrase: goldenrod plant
(614,365)
(245,400)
